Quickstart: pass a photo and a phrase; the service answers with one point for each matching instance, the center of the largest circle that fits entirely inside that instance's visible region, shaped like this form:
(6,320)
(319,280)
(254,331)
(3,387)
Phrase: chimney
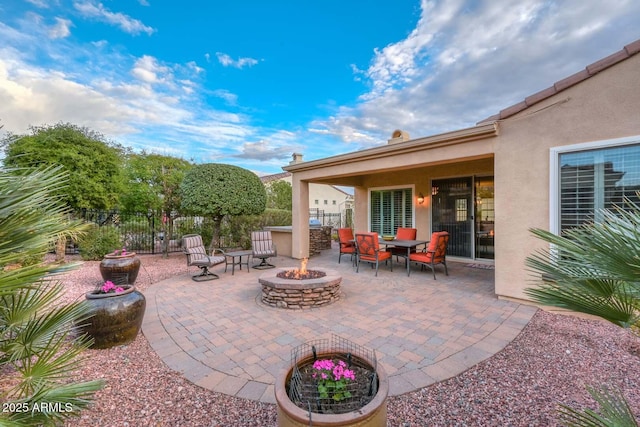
(297,158)
(398,136)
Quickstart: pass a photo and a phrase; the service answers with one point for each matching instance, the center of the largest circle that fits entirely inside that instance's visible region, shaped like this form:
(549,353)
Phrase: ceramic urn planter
(120,269)
(115,317)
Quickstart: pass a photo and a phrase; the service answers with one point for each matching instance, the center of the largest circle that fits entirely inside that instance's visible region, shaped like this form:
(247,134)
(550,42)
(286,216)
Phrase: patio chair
(403,234)
(262,247)
(347,242)
(368,250)
(197,255)
(435,253)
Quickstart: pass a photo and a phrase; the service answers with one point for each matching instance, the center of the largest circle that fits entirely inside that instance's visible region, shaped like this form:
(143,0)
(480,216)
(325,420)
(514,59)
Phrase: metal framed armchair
(435,253)
(197,255)
(262,247)
(347,242)
(369,250)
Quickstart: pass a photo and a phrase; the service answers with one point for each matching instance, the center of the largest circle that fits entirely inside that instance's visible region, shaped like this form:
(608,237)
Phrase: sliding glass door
(452,211)
(465,208)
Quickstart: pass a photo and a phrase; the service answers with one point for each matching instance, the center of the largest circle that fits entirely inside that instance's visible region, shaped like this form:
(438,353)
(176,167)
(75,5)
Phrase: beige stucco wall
(605,106)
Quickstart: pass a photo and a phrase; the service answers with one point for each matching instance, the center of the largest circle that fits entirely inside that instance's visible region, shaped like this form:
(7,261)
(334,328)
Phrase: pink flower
(110,287)
(348,373)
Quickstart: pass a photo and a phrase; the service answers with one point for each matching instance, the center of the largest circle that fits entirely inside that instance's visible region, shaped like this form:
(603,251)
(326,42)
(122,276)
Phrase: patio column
(300,219)
(361,208)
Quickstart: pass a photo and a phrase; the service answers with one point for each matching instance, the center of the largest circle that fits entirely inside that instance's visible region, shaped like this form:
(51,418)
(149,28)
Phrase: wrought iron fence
(148,233)
(333,219)
(144,233)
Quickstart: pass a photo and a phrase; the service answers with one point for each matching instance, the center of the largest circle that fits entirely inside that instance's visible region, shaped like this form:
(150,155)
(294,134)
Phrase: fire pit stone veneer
(288,293)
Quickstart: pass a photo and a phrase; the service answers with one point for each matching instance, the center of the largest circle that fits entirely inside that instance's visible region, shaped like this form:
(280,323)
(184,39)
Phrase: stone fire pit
(282,292)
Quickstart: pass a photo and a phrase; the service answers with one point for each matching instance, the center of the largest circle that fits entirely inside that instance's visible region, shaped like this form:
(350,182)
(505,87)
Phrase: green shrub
(197,225)
(99,241)
(276,217)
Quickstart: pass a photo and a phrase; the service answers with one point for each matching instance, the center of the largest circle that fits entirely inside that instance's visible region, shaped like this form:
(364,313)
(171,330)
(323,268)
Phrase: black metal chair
(197,255)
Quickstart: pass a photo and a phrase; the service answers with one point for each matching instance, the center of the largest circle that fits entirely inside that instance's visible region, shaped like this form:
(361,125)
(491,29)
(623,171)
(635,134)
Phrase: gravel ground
(550,362)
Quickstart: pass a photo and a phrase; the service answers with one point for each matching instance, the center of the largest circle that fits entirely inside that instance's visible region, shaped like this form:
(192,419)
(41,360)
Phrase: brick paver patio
(219,335)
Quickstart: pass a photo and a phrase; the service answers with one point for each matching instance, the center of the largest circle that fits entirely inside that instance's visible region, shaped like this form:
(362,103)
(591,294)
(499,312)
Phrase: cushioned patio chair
(262,247)
(197,255)
(347,242)
(403,233)
(434,254)
(368,250)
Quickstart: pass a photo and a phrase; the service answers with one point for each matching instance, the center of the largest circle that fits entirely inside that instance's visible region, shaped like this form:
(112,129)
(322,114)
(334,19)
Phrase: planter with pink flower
(116,313)
(332,383)
(120,267)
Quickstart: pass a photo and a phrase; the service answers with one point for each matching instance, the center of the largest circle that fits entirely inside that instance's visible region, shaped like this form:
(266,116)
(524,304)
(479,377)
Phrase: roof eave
(449,138)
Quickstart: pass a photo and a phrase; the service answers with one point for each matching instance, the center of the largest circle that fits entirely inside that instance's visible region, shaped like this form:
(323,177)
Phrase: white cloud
(229,98)
(227,61)
(467,60)
(148,70)
(98,11)
(40,3)
(60,29)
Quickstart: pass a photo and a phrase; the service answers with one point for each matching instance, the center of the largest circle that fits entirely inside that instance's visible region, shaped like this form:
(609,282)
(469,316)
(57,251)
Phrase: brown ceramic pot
(120,268)
(115,318)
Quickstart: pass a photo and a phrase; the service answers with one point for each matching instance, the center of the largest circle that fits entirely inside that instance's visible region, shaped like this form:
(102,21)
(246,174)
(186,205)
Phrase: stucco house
(547,162)
(323,198)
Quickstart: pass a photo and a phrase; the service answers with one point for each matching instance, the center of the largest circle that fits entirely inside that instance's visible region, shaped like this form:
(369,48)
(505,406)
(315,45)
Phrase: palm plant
(39,347)
(594,269)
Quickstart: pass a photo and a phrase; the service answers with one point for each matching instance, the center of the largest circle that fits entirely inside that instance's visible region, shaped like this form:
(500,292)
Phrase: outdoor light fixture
(420,198)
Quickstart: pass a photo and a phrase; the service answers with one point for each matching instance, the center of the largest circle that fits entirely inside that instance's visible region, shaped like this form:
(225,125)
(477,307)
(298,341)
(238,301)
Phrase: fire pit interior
(299,288)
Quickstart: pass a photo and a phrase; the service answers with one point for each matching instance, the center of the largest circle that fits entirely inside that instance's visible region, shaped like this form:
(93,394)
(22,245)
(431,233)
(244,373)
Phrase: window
(325,202)
(391,209)
(334,202)
(594,178)
(316,201)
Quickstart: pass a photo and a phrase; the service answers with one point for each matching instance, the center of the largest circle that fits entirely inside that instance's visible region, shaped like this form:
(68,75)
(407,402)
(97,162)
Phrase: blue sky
(250,82)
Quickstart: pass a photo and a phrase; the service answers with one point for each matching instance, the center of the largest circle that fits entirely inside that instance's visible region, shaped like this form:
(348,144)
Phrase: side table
(235,258)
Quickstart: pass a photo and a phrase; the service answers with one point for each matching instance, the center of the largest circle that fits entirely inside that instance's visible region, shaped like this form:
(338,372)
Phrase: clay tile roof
(269,178)
(591,70)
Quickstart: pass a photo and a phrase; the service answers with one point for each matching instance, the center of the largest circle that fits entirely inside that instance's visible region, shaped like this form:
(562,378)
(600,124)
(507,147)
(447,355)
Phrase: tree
(279,195)
(594,269)
(93,165)
(154,184)
(39,348)
(219,190)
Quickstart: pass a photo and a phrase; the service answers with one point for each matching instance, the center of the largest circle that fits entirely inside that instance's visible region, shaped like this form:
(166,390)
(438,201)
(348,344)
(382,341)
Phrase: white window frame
(394,187)
(554,178)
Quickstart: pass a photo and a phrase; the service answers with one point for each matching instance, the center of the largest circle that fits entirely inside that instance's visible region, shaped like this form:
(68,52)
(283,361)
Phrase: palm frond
(593,268)
(37,333)
(52,405)
(614,411)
